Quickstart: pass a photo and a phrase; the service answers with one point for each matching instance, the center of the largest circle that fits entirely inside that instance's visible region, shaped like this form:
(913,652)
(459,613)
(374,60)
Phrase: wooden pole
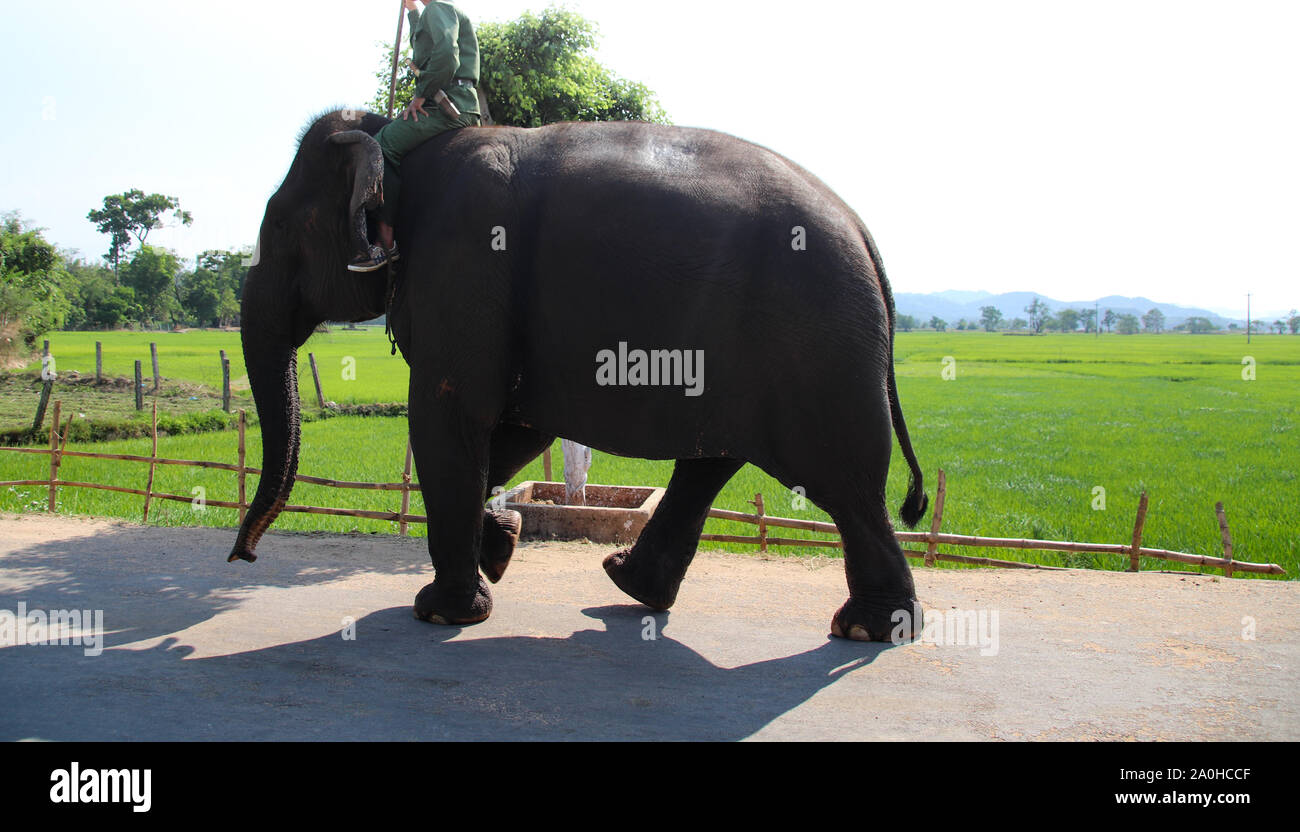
(397,50)
(936,518)
(243,471)
(46,390)
(153,463)
(225,384)
(153,353)
(546,465)
(139,387)
(54,455)
(45,351)
(1227,538)
(1135,550)
(99,362)
(406,492)
(762,523)
(315,376)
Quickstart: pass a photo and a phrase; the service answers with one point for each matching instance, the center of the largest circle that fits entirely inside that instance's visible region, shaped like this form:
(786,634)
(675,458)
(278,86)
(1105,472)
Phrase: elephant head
(298,280)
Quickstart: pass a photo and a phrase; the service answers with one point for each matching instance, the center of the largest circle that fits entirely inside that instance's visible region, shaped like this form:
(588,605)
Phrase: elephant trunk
(272,361)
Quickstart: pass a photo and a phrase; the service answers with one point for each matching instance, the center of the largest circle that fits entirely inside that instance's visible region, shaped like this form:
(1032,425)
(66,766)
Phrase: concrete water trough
(613,513)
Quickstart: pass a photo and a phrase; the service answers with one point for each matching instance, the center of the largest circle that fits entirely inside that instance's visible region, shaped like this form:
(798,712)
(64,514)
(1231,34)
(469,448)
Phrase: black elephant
(533,256)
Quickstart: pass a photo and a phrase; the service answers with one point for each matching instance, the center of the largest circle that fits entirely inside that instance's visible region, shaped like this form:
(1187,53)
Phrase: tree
(210,294)
(1279,326)
(537,70)
(1127,324)
(906,323)
(938,324)
(1018,324)
(1108,319)
(1089,317)
(1038,312)
(133,214)
(1293,322)
(990,317)
(1068,320)
(151,274)
(1198,325)
(31,270)
(1153,321)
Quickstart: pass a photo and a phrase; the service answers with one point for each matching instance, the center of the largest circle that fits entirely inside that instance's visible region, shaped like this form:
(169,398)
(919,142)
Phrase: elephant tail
(916,501)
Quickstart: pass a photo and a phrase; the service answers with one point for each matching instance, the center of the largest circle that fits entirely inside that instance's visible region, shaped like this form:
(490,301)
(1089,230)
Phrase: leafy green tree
(938,324)
(1089,318)
(906,323)
(1067,320)
(1038,313)
(210,294)
(152,274)
(1108,319)
(1018,324)
(535,70)
(1199,325)
(1153,321)
(990,317)
(133,214)
(1293,322)
(31,271)
(1127,324)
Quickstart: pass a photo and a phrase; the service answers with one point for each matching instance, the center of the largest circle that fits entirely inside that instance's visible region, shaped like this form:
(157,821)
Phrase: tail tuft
(914,506)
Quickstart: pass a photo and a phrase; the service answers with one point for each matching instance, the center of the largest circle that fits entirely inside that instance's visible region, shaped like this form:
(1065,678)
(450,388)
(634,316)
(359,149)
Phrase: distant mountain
(952,306)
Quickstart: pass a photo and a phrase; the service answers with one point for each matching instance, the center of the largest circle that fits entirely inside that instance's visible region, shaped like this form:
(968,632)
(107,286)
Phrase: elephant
(534,256)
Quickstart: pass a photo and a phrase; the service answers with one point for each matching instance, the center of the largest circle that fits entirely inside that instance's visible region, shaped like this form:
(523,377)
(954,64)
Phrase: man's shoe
(393,254)
(373,260)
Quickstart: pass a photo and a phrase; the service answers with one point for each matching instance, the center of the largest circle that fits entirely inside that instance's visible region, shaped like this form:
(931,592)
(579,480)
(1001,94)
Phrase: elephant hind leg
(882,603)
(652,570)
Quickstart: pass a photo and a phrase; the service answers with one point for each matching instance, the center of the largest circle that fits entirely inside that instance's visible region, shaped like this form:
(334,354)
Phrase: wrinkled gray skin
(526,253)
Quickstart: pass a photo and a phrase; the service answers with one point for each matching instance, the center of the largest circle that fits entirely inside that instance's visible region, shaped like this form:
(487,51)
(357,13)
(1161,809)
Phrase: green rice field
(1027,429)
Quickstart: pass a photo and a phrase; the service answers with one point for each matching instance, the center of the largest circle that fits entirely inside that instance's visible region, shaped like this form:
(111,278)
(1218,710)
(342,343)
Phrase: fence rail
(932,539)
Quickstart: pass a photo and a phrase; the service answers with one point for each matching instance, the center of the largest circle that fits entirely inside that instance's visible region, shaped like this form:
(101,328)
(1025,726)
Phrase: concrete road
(196,648)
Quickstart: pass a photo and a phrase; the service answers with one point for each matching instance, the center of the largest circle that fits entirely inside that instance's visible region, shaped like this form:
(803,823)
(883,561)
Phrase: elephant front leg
(451,459)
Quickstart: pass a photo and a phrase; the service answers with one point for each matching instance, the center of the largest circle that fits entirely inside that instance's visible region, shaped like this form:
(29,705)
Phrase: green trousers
(399,137)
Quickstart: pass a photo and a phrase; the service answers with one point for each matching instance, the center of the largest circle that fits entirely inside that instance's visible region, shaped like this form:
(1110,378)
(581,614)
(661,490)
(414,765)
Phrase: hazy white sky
(1076,149)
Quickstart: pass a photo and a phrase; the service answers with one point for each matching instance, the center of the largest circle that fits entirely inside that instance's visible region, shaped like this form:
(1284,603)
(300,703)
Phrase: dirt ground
(316,641)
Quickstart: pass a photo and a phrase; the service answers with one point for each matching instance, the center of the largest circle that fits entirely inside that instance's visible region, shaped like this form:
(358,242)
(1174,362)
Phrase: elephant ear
(367,167)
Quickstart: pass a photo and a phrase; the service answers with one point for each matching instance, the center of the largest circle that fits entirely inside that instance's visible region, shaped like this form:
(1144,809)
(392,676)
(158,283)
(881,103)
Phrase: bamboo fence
(57,451)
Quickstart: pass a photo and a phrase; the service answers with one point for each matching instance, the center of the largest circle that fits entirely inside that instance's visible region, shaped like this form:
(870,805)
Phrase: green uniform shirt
(444,47)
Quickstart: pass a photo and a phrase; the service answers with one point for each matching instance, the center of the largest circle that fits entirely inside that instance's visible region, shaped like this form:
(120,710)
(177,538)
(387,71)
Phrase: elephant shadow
(391,678)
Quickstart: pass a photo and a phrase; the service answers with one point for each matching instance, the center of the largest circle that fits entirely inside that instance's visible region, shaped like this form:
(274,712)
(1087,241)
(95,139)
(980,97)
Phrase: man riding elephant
(445,57)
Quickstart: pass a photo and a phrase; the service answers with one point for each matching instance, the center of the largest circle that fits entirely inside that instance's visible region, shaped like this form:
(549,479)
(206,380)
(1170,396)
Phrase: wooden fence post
(153,462)
(243,503)
(153,352)
(54,455)
(225,384)
(45,351)
(936,518)
(762,522)
(406,492)
(139,387)
(546,465)
(46,390)
(1227,538)
(315,376)
(99,362)
(1134,556)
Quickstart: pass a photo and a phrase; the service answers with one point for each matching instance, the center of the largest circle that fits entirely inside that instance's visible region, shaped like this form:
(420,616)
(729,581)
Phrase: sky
(1074,149)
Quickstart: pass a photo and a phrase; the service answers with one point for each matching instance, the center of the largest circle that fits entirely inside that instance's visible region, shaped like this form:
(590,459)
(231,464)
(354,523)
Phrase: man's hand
(415,109)
(409,4)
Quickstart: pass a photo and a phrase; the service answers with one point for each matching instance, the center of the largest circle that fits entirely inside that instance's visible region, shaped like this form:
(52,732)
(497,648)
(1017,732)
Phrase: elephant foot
(439,604)
(500,534)
(629,573)
(870,619)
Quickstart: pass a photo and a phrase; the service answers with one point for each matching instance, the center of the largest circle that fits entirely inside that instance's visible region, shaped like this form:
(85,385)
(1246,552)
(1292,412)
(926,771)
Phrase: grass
(1027,431)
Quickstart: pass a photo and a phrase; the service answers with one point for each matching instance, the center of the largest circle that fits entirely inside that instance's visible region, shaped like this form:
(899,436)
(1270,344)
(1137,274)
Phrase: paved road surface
(196,648)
